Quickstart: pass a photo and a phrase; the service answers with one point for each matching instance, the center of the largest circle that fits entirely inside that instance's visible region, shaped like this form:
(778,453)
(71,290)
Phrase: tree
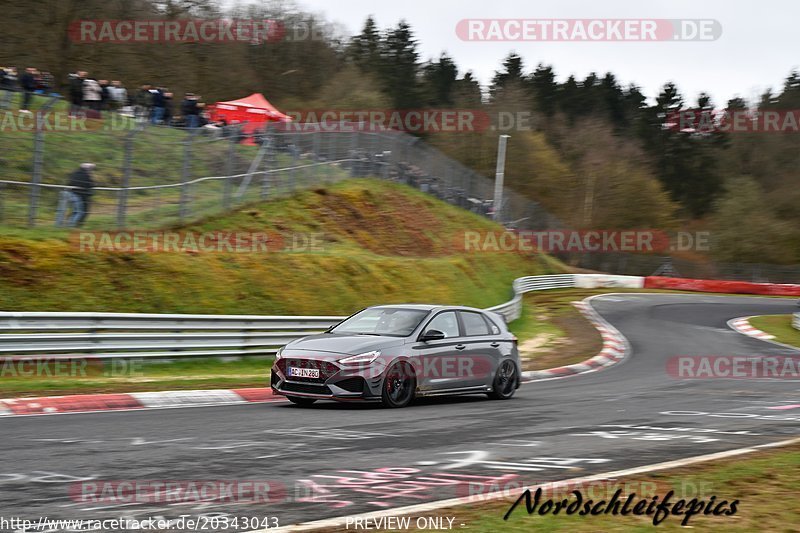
(439,81)
(745,229)
(400,66)
(545,89)
(511,75)
(364,48)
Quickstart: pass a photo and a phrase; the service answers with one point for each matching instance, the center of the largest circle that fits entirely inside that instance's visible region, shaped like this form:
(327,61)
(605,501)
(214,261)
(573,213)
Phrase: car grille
(305,387)
(355,384)
(326,369)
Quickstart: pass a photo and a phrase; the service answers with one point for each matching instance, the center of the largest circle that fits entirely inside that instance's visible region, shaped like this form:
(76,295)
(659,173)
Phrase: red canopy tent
(253,112)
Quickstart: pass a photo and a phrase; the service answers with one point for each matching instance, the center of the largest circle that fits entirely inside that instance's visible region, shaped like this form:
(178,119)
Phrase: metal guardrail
(512,309)
(796,321)
(108,335)
(133,335)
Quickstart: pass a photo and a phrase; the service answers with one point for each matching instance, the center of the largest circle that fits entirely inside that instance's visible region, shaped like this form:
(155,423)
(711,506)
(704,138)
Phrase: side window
(492,326)
(446,323)
(474,324)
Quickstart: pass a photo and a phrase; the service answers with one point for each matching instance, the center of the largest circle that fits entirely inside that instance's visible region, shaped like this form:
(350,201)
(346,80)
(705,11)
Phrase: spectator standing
(46,82)
(105,97)
(28,83)
(92,94)
(76,91)
(168,108)
(118,95)
(10,79)
(81,194)
(190,110)
(157,112)
(143,101)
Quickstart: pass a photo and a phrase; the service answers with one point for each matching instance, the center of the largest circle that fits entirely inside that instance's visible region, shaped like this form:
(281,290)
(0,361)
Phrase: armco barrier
(110,335)
(512,309)
(107,335)
(119,335)
(732,287)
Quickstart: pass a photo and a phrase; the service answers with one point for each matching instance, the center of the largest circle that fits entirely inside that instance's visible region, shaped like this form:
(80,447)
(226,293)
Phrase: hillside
(381,243)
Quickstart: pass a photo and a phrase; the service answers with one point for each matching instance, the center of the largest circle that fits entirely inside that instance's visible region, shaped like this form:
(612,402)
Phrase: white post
(500,175)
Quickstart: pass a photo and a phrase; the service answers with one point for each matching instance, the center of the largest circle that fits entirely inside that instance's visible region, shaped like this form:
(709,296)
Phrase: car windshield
(390,321)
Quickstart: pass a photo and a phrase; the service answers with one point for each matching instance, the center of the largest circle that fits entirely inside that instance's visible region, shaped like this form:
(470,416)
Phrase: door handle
(495,344)
(460,346)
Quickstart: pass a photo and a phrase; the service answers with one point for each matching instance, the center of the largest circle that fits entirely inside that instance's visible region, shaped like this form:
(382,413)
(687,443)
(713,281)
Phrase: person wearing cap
(81,193)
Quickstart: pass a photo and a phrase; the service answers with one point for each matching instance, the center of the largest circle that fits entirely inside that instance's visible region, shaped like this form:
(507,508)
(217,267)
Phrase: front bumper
(336,382)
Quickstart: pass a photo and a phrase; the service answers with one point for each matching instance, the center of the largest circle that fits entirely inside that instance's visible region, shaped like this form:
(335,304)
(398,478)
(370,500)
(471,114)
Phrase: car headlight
(362,358)
(279,353)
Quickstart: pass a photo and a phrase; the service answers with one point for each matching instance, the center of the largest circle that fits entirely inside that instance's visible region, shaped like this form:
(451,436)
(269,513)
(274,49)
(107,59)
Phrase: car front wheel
(505,381)
(398,386)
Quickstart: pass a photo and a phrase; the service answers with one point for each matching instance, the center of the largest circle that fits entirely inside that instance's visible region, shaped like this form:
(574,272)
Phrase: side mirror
(432,335)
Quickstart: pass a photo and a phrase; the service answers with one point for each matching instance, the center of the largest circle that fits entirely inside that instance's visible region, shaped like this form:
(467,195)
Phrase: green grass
(382,243)
(765,483)
(528,325)
(140,375)
(778,325)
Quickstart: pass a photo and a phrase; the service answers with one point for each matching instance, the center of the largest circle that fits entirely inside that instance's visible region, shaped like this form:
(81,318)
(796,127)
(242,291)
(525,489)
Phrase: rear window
(474,324)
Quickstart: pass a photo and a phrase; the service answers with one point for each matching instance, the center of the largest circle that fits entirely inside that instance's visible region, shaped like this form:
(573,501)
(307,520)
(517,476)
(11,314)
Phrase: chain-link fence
(149,176)
(152,176)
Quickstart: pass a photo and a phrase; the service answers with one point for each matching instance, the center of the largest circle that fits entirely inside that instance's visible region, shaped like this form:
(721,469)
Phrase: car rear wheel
(398,386)
(301,401)
(505,381)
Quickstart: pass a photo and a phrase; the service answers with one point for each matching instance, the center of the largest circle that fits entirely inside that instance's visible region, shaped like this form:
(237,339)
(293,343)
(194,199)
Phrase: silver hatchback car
(395,353)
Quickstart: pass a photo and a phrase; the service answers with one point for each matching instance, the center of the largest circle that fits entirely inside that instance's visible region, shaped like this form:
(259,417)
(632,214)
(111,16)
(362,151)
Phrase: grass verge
(135,376)
(778,325)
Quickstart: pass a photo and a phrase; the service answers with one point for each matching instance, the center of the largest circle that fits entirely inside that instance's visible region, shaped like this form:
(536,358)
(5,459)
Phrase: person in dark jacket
(28,83)
(157,112)
(143,102)
(167,108)
(10,79)
(81,194)
(76,91)
(190,111)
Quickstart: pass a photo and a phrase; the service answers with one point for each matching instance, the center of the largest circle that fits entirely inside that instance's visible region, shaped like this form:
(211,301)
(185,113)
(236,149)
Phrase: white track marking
(441,504)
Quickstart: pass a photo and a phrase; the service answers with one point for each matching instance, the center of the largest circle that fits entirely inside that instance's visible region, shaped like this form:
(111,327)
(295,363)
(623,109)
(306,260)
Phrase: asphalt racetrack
(334,459)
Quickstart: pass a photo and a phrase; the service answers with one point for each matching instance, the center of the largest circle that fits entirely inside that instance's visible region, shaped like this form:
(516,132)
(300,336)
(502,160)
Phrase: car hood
(344,344)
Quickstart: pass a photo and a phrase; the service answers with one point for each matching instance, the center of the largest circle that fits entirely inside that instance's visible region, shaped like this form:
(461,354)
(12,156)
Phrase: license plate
(303,372)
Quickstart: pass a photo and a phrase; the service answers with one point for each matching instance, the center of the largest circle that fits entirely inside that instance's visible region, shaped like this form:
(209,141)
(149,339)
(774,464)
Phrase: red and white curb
(615,348)
(83,403)
(742,325)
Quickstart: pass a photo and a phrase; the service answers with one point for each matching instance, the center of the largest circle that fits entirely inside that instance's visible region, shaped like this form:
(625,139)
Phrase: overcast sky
(757,49)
